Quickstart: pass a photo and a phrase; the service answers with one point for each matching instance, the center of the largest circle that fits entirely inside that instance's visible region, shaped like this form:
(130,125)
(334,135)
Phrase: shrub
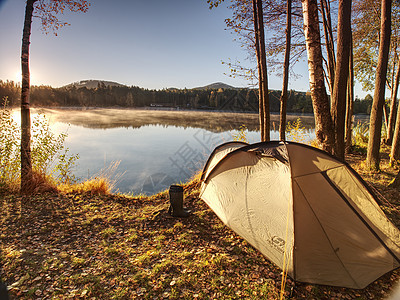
(10,156)
(296,132)
(49,154)
(241,135)
(360,136)
(51,161)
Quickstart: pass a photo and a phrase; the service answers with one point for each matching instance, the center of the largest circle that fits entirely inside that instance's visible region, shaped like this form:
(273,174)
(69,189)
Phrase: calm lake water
(155,148)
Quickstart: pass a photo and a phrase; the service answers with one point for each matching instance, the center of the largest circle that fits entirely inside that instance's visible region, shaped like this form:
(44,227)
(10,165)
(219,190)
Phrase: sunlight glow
(56,127)
(16,115)
(34,78)
(18,77)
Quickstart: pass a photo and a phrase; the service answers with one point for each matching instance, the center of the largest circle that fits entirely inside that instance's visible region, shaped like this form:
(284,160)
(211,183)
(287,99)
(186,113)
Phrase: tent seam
(359,216)
(213,154)
(365,195)
(323,229)
(293,215)
(316,172)
(247,213)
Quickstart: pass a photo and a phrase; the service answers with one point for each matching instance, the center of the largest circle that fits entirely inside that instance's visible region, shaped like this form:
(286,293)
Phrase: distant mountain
(91,84)
(216,85)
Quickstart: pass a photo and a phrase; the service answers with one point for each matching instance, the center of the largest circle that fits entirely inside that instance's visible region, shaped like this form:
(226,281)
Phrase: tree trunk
(260,81)
(323,120)
(284,95)
(338,108)
(264,73)
(330,48)
(385,115)
(350,102)
(374,141)
(393,106)
(395,150)
(26,163)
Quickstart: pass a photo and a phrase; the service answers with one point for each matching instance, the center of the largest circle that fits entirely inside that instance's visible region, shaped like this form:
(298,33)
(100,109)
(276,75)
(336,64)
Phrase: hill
(92,84)
(216,85)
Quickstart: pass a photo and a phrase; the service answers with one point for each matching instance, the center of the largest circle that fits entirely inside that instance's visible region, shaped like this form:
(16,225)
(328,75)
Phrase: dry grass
(95,186)
(41,183)
(102,184)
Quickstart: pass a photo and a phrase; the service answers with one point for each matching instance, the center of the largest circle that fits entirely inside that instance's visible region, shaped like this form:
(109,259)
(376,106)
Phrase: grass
(70,244)
(94,186)
(41,183)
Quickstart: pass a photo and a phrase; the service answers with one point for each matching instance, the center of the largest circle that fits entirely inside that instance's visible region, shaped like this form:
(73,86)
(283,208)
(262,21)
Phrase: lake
(154,148)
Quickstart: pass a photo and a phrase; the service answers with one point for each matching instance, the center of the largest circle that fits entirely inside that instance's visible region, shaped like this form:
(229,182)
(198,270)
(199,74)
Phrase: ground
(71,246)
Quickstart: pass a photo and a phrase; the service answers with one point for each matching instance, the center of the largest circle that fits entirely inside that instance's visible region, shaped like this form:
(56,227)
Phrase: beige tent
(306,211)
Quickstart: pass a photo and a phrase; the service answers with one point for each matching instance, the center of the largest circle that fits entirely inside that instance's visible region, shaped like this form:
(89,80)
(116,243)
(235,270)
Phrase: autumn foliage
(48,11)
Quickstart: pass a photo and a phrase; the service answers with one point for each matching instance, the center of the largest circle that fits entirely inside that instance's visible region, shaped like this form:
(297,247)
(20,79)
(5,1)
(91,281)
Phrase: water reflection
(152,156)
(136,118)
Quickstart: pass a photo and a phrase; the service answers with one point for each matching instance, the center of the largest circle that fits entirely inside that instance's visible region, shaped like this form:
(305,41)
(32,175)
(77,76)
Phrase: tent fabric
(305,210)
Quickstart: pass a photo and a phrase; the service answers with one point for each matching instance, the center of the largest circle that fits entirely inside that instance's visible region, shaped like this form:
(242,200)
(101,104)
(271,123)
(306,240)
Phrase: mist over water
(155,148)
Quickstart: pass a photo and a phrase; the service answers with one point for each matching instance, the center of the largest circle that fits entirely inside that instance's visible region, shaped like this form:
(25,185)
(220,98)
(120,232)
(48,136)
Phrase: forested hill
(111,94)
(216,85)
(92,84)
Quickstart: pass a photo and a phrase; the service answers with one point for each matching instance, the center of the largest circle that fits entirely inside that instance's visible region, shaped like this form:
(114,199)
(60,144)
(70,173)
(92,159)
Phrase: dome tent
(305,210)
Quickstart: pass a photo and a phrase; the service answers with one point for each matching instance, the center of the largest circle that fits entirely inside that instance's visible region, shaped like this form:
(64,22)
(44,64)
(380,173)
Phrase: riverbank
(87,246)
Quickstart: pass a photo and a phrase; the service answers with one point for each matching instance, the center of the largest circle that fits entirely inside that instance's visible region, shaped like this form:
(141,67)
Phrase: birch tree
(323,120)
(46,11)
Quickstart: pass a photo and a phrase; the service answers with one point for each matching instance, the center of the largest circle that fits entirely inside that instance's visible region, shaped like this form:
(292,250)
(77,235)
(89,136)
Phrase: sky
(153,44)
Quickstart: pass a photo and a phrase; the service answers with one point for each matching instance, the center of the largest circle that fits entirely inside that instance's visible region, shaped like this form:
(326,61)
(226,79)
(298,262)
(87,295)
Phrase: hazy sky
(153,44)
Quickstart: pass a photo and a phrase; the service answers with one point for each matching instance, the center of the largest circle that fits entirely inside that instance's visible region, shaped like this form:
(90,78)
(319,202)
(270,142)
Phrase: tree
(284,94)
(26,163)
(366,28)
(323,120)
(350,103)
(259,68)
(275,17)
(262,70)
(329,43)
(338,106)
(393,105)
(395,150)
(374,141)
(327,125)
(46,11)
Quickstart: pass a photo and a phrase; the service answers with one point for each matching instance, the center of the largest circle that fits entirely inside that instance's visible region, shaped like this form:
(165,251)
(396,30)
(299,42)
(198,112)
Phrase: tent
(306,211)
